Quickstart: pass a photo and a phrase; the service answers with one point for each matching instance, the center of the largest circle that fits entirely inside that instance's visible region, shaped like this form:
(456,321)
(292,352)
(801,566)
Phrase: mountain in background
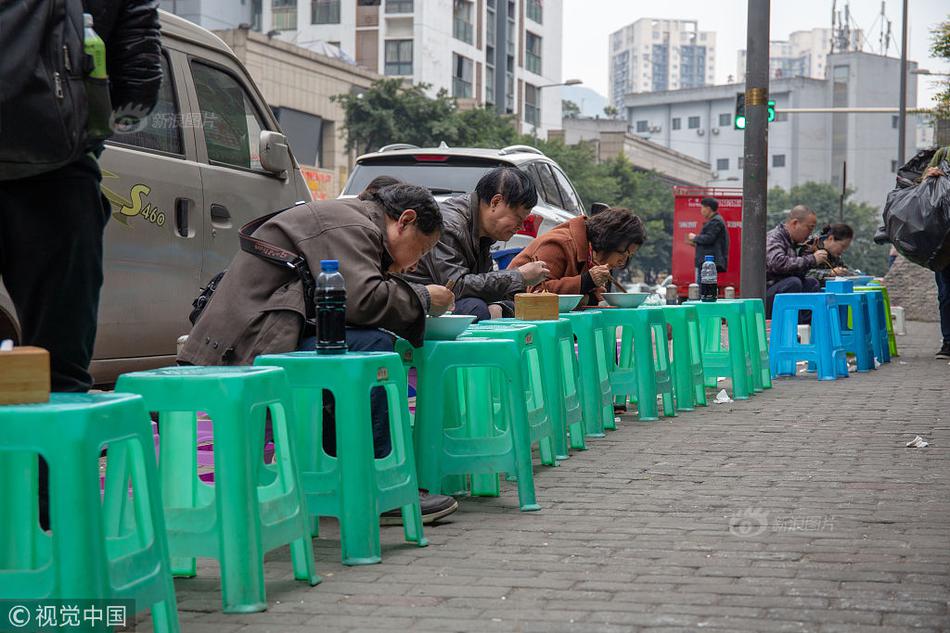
(589,101)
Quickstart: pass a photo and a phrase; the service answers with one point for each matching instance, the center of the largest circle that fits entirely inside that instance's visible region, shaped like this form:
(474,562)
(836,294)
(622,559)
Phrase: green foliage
(569,109)
(824,200)
(940,47)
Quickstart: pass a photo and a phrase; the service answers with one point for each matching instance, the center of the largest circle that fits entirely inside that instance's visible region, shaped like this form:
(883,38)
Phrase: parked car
(450,171)
(210,158)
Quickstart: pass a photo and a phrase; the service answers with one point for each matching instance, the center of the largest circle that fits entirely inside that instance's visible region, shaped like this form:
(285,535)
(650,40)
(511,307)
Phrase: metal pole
(754,173)
(902,116)
(844,189)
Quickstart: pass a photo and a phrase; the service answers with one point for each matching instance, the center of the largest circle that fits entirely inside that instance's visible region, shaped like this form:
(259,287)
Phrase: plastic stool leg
(178,459)
(359,522)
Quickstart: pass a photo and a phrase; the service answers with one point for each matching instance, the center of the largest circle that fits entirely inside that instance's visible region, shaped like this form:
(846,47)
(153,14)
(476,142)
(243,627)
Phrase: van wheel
(8,327)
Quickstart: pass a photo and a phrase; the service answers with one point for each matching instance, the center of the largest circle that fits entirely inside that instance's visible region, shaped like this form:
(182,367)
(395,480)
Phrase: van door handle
(220,216)
(181,217)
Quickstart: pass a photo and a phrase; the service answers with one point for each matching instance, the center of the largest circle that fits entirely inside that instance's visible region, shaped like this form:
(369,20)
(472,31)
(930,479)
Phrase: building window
(722,164)
(893,166)
(399,6)
(398,57)
(693,122)
(461,77)
(778,160)
(532,57)
(490,85)
(462,28)
(324,11)
(725,119)
(740,161)
(532,105)
(536,11)
(677,123)
(781,117)
(895,120)
(641,126)
(284,14)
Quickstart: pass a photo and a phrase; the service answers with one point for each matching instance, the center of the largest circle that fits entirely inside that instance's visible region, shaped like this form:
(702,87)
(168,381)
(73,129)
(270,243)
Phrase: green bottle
(99,124)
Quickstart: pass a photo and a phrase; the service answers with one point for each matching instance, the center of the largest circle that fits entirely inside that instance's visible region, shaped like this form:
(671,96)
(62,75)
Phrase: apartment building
(803,54)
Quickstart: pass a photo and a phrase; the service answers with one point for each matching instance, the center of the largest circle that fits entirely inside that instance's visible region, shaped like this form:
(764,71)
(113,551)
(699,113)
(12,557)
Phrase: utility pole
(754,174)
(902,117)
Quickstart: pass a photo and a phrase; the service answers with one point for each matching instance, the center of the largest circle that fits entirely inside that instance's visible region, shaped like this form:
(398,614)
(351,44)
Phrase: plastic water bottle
(97,83)
(330,297)
(708,280)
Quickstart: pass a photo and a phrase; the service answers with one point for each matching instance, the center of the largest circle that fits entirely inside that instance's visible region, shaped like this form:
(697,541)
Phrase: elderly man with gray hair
(784,269)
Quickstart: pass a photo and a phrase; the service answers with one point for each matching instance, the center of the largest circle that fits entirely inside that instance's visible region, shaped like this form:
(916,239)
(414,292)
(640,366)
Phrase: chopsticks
(617,283)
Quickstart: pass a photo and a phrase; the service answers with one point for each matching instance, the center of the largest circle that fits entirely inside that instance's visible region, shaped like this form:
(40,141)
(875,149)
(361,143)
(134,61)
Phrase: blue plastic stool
(857,338)
(877,323)
(826,348)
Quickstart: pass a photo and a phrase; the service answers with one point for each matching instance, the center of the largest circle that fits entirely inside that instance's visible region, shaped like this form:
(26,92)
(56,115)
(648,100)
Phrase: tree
(824,200)
(611,111)
(940,47)
(569,109)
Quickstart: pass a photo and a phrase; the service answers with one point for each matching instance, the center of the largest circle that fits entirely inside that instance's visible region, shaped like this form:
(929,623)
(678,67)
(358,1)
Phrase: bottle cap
(87,19)
(329,265)
(710,258)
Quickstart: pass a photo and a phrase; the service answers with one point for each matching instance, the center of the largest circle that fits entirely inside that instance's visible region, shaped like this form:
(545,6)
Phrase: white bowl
(566,303)
(625,299)
(447,327)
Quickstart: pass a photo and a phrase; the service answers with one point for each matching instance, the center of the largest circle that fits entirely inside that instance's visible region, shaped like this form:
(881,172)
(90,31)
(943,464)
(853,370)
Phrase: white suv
(450,171)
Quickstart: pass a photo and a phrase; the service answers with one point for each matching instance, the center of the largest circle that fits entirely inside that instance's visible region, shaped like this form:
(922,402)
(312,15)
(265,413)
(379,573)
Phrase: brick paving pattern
(798,510)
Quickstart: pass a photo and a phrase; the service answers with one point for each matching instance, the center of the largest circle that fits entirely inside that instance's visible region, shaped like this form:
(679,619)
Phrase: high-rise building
(803,54)
(652,55)
(499,53)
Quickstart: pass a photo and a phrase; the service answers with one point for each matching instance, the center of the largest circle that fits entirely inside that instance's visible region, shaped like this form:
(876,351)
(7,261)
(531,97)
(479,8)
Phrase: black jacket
(713,240)
(131,33)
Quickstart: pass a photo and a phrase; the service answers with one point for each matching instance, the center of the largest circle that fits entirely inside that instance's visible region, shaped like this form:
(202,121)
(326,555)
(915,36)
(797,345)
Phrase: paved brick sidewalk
(798,510)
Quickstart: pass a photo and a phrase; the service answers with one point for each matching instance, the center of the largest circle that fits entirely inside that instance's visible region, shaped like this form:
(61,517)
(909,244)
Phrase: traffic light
(739,119)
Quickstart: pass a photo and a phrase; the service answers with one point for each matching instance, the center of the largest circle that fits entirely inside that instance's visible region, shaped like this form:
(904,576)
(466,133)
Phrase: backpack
(43,107)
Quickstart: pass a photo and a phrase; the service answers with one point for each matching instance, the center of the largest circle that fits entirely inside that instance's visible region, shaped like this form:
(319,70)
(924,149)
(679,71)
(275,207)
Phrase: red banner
(688,219)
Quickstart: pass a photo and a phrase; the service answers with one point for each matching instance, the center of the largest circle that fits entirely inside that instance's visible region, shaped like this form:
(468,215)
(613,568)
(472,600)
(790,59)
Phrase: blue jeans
(479,308)
(791,284)
(943,302)
(359,340)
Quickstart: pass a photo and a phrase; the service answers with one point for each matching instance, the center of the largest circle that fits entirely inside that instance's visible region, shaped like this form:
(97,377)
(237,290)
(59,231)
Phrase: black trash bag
(910,173)
(917,220)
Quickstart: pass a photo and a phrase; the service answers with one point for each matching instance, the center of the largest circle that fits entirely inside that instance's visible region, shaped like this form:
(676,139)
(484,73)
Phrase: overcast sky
(588,23)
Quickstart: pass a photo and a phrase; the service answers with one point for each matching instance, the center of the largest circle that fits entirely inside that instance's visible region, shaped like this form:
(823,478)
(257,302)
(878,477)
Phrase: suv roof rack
(394,146)
(515,149)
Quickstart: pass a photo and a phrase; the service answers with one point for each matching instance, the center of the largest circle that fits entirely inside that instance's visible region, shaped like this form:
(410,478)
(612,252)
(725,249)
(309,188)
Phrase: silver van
(208,159)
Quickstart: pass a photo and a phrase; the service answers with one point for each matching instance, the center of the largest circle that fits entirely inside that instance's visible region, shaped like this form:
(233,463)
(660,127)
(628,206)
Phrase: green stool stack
(559,374)
(736,362)
(689,382)
(452,441)
(596,399)
(644,360)
(353,486)
(757,342)
(536,397)
(250,510)
(101,546)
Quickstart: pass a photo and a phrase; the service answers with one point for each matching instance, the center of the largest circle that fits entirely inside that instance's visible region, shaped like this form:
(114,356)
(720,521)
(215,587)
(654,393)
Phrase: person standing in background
(713,239)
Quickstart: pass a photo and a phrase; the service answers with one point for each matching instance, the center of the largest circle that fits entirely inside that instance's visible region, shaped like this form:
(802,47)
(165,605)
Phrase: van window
(232,127)
(161,130)
(572,202)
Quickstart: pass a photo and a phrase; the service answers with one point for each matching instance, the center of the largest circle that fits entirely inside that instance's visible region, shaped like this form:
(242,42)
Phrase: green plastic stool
(538,401)
(644,360)
(102,546)
(736,362)
(354,486)
(888,319)
(251,509)
(689,381)
(596,399)
(449,444)
(560,377)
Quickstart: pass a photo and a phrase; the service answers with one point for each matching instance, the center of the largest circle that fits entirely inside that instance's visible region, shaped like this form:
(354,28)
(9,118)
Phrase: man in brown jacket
(258,307)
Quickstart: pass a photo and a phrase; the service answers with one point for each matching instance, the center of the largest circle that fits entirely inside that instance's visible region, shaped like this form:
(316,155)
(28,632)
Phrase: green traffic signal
(739,119)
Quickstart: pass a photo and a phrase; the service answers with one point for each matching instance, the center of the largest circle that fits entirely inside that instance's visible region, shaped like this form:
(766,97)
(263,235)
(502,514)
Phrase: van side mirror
(274,153)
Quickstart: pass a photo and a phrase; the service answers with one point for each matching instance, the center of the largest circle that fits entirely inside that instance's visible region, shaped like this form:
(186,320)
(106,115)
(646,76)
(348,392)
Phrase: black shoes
(433,507)
(944,352)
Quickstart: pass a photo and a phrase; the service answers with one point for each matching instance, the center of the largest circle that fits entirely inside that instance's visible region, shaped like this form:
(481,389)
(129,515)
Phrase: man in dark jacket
(713,239)
(51,223)
(494,212)
(785,269)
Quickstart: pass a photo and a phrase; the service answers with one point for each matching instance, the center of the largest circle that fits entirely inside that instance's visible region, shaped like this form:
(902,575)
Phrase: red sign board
(688,219)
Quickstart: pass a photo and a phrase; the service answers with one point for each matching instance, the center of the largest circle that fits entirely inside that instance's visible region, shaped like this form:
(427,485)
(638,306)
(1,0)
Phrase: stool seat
(353,486)
(106,546)
(825,349)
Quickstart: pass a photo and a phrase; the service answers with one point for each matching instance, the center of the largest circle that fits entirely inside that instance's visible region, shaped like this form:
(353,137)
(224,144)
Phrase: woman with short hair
(581,253)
